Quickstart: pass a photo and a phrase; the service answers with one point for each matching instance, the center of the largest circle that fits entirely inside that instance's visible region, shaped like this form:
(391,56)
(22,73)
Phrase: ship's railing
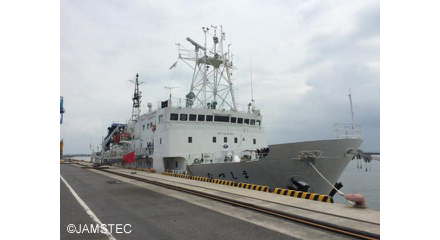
(347,130)
(181,103)
(148,151)
(187,54)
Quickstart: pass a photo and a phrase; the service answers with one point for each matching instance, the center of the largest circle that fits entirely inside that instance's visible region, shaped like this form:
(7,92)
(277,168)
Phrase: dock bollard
(358,199)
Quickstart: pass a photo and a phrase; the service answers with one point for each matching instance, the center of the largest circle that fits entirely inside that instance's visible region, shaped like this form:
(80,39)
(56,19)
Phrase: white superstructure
(208,134)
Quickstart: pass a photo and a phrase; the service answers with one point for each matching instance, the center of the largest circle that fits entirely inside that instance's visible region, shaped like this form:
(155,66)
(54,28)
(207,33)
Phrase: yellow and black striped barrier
(223,182)
(254,187)
(304,195)
(197,178)
(203,179)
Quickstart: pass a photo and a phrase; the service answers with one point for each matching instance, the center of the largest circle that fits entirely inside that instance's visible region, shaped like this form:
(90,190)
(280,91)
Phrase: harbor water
(367,183)
(354,179)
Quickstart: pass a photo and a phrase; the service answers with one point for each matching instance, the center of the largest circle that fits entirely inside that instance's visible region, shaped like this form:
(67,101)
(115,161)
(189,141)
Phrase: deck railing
(181,103)
(347,130)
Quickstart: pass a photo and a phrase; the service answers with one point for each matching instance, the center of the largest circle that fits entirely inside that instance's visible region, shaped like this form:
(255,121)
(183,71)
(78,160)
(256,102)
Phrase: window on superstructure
(174,117)
(209,118)
(240,120)
(214,139)
(258,122)
(252,121)
(246,121)
(148,125)
(221,118)
(143,127)
(160,118)
(177,164)
(201,118)
(190,139)
(183,117)
(225,139)
(235,140)
(255,141)
(233,119)
(160,140)
(192,117)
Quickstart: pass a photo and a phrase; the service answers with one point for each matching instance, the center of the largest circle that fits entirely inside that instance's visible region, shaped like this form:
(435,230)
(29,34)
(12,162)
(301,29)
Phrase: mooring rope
(337,190)
(341,193)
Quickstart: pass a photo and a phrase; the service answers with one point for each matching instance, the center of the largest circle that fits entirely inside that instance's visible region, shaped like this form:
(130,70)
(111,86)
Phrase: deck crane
(61,122)
(61,109)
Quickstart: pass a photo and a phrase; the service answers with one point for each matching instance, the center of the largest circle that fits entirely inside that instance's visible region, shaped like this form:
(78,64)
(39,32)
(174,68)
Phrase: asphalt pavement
(143,214)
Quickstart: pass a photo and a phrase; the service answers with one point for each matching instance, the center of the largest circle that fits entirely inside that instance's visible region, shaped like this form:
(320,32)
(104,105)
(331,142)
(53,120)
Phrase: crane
(61,122)
(61,109)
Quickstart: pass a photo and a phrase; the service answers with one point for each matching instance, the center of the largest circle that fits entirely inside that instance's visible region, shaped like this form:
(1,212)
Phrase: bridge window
(183,117)
(246,121)
(258,122)
(201,118)
(252,121)
(221,118)
(192,117)
(235,140)
(255,141)
(225,139)
(174,117)
(209,118)
(233,119)
(214,139)
(190,139)
(240,120)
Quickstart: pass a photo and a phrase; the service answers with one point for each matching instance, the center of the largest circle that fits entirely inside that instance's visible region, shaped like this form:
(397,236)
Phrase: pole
(351,106)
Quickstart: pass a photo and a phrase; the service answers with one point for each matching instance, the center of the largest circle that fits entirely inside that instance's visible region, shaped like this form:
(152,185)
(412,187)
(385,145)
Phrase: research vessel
(208,134)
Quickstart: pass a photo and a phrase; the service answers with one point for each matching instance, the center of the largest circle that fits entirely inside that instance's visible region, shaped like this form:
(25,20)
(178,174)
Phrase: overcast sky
(305,57)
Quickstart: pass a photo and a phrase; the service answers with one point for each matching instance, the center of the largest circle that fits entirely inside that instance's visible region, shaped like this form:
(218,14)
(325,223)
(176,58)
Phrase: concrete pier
(156,212)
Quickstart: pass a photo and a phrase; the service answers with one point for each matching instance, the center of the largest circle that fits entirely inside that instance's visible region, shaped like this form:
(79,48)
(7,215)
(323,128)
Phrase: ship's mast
(137,95)
(351,107)
(211,84)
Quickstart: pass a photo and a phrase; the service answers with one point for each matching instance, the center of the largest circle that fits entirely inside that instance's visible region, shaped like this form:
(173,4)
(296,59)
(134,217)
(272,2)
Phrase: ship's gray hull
(282,163)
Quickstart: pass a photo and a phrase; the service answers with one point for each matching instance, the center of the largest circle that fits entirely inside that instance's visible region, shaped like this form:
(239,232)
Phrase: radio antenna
(351,106)
(252,88)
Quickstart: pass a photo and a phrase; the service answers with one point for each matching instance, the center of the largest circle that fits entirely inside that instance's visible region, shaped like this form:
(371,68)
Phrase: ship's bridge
(185,134)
